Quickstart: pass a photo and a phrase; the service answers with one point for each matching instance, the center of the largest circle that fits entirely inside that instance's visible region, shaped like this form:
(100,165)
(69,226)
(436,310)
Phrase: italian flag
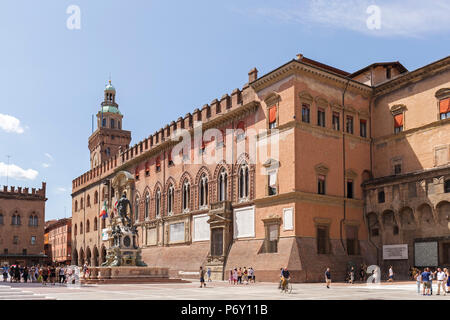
(104,212)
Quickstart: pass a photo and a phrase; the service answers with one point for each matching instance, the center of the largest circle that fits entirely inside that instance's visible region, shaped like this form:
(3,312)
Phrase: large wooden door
(217,242)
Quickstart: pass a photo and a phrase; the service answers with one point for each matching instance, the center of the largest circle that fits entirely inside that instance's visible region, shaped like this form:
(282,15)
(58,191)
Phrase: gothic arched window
(147,205)
(95,224)
(186,195)
(243,182)
(170,194)
(223,185)
(158,203)
(203,192)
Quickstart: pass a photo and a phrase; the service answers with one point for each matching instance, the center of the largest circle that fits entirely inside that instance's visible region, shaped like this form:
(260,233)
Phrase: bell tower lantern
(106,140)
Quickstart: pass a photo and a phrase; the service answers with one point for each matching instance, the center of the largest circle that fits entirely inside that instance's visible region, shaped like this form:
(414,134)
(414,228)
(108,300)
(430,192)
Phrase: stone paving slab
(223,291)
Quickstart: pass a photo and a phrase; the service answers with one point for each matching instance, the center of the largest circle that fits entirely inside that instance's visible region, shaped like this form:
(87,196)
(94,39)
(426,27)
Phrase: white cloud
(48,155)
(16,172)
(10,124)
(414,19)
(61,190)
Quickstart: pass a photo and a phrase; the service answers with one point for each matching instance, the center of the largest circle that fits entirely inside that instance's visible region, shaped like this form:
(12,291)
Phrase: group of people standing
(44,274)
(425,280)
(241,275)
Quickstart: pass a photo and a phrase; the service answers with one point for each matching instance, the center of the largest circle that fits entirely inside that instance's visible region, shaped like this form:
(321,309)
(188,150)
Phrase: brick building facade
(338,137)
(22,216)
(58,244)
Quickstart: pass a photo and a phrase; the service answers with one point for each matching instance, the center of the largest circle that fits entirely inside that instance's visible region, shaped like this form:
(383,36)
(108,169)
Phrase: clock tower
(106,140)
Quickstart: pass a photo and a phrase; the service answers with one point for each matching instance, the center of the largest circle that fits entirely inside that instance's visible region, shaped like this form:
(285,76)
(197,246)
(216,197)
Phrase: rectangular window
(321,117)
(349,124)
(24,252)
(388,73)
(363,128)
(381,197)
(398,169)
(444,109)
(272,117)
(350,189)
(336,121)
(272,183)
(33,240)
(170,158)
(322,240)
(447,186)
(398,123)
(321,185)
(374,232)
(305,113)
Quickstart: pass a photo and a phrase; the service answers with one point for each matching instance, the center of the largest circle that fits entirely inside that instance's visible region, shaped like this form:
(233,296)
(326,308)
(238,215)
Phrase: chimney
(252,75)
(299,56)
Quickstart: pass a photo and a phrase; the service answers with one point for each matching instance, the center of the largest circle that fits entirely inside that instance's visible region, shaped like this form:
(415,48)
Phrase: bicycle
(287,288)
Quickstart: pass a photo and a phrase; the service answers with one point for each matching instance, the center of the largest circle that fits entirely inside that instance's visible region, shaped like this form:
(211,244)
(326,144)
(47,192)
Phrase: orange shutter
(273,114)
(398,120)
(444,106)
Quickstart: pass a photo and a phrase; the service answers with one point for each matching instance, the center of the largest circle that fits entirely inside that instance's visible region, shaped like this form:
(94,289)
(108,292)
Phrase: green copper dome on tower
(109,87)
(111,109)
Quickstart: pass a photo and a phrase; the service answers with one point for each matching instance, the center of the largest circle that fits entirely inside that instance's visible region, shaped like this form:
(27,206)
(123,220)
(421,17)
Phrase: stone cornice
(300,68)
(413,76)
(407,177)
(299,196)
(407,133)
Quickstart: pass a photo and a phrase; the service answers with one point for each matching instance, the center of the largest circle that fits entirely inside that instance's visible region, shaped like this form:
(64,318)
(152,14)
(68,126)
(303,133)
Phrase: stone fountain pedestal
(123,260)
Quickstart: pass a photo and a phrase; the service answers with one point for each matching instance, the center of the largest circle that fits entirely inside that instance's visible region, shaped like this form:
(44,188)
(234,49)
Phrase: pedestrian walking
(441,278)
(5,273)
(328,278)
(209,274)
(391,274)
(418,278)
(62,274)
(352,275)
(202,277)
(240,275)
(25,274)
(251,274)
(235,276)
(448,281)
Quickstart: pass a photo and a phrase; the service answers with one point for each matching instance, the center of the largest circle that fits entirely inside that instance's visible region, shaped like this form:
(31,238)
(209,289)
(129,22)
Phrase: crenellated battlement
(24,192)
(207,113)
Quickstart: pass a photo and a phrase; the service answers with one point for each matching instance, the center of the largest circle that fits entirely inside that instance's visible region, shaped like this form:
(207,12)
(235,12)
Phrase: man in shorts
(426,281)
(328,278)
(202,277)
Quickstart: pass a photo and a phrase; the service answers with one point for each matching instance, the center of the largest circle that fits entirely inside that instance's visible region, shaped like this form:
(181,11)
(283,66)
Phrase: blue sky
(167,58)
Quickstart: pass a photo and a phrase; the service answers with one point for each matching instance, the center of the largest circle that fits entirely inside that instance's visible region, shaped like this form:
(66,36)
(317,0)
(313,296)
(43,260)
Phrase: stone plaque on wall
(288,219)
(151,236)
(244,222)
(201,228)
(176,232)
(426,254)
(395,252)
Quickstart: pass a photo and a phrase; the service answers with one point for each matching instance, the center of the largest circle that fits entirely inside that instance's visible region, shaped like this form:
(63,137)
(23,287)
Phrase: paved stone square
(218,291)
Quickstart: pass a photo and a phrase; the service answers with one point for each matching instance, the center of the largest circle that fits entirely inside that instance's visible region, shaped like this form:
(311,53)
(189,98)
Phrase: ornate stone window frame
(321,170)
(399,109)
(441,94)
(272,99)
(272,165)
(269,222)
